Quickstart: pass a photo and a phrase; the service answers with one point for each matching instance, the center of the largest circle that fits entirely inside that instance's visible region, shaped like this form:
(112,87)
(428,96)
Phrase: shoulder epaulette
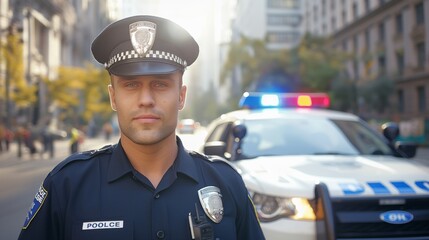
(212,158)
(96,152)
(82,156)
(197,154)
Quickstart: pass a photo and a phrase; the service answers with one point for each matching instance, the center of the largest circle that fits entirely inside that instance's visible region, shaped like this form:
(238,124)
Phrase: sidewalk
(62,150)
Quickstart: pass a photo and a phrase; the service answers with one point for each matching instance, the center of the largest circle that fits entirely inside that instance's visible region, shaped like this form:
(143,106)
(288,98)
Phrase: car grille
(360,218)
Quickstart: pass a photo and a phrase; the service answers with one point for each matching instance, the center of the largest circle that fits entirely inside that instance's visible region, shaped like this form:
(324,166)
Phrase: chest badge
(211,201)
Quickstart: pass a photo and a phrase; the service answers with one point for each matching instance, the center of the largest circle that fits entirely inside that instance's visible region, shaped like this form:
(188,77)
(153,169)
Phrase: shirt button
(160,234)
(157,196)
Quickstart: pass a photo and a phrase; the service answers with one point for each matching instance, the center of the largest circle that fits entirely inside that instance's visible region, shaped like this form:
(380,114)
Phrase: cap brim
(143,68)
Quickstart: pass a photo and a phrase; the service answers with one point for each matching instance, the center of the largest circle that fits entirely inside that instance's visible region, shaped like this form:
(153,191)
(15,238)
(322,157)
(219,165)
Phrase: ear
(182,97)
(112,97)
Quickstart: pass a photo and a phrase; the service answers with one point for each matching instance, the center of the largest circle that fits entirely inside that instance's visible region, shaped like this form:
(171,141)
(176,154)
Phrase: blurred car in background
(315,173)
(187,126)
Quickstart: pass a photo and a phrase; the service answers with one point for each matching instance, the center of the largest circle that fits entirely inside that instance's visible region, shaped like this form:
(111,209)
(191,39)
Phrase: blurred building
(386,39)
(90,17)
(277,22)
(37,24)
(52,35)
(4,95)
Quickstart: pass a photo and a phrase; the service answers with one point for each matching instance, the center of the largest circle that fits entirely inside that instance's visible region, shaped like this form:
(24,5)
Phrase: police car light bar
(256,100)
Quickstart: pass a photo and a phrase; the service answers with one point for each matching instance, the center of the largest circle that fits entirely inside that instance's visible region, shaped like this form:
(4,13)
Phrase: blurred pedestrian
(20,139)
(6,137)
(29,140)
(48,139)
(76,138)
(107,130)
(147,186)
(9,136)
(2,137)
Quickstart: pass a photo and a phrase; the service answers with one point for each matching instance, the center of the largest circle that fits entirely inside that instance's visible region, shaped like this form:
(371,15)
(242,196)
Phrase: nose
(146,97)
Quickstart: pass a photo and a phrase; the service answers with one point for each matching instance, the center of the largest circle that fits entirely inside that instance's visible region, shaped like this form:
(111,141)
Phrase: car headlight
(270,208)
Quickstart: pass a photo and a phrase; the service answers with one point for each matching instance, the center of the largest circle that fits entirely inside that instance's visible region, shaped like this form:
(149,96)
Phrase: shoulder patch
(35,206)
(197,154)
(83,156)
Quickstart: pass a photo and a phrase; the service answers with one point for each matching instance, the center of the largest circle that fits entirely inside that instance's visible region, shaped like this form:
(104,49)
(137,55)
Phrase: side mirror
(390,130)
(239,131)
(217,148)
(404,149)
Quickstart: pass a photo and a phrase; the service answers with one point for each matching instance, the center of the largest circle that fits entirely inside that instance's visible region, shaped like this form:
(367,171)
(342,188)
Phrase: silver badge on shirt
(142,34)
(211,201)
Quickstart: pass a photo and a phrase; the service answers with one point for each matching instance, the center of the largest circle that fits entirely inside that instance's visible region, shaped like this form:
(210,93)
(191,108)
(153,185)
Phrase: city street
(20,178)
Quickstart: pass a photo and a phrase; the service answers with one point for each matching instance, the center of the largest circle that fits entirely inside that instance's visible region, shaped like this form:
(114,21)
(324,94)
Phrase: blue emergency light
(258,100)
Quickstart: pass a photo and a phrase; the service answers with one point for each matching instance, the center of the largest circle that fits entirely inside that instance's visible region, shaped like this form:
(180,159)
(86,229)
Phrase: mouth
(146,118)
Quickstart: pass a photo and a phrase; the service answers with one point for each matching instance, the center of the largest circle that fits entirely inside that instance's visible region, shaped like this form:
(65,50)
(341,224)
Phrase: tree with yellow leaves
(80,93)
(22,93)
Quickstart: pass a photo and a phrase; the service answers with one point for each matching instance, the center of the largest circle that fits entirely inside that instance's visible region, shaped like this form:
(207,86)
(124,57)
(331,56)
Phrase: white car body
(347,176)
(296,176)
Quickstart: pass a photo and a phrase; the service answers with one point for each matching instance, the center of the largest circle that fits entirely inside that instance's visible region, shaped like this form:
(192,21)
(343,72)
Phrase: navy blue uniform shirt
(99,195)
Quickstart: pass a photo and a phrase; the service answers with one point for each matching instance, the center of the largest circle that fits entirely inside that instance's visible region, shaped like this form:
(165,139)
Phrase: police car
(315,173)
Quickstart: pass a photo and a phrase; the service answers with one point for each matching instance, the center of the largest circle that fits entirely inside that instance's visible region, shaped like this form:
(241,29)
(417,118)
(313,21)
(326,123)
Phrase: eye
(160,84)
(131,84)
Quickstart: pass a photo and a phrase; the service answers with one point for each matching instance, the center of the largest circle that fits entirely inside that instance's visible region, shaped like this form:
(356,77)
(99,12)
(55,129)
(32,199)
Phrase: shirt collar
(120,165)
(185,163)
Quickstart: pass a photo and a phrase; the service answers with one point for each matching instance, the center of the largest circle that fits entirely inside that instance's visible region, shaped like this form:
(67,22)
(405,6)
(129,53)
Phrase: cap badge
(211,201)
(142,36)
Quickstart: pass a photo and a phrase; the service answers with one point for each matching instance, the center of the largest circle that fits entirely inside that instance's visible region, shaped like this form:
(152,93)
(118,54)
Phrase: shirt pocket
(106,229)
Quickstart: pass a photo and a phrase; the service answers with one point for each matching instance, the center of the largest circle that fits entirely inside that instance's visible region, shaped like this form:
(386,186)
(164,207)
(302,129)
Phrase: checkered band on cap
(132,54)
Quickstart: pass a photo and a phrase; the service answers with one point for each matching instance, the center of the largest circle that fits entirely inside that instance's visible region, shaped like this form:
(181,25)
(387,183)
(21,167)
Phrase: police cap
(144,45)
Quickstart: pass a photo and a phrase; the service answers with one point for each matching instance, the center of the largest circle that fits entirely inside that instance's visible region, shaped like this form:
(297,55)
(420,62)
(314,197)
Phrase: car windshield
(310,137)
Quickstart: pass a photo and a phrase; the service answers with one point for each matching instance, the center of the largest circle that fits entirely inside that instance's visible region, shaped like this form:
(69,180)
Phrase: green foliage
(376,93)
(343,94)
(253,58)
(201,105)
(319,63)
(316,65)
(314,61)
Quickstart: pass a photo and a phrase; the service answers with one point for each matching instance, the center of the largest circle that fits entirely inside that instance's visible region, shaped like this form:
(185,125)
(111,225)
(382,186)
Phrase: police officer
(147,186)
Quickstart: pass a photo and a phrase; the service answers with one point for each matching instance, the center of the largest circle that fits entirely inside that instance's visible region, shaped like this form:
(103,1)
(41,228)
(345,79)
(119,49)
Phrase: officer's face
(147,106)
